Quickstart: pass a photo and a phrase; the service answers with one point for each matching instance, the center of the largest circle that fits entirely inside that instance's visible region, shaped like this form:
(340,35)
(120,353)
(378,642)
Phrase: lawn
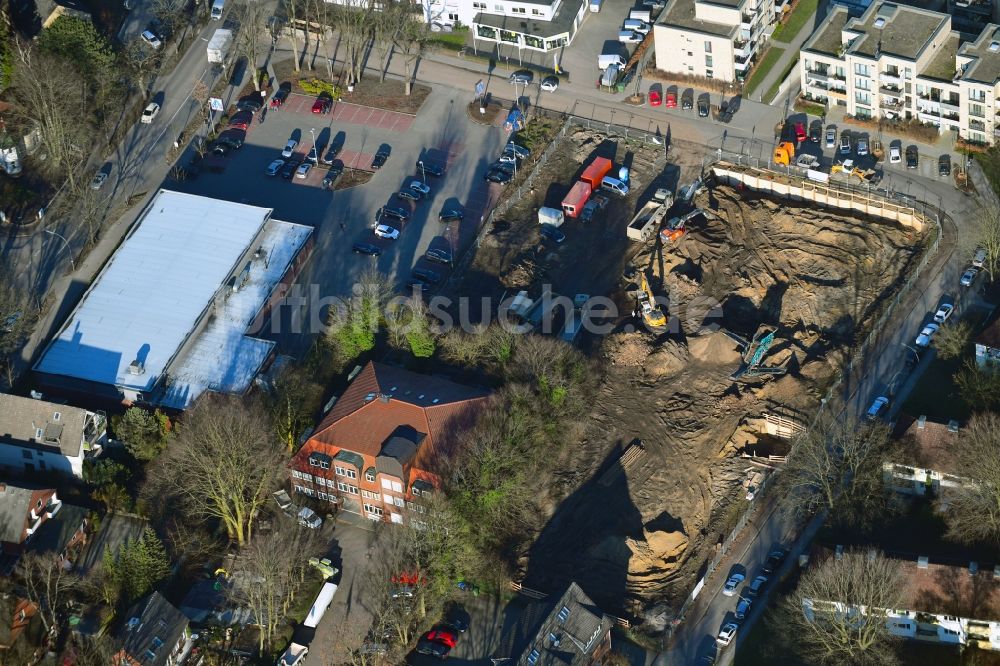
(760,71)
(990,163)
(450,40)
(804,10)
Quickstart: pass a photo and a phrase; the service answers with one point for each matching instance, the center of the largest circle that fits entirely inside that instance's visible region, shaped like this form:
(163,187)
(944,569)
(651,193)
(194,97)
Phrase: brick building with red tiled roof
(380,444)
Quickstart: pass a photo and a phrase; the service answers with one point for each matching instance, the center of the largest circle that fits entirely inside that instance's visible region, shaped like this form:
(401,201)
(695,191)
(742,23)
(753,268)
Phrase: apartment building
(538,25)
(376,451)
(900,62)
(924,465)
(717,39)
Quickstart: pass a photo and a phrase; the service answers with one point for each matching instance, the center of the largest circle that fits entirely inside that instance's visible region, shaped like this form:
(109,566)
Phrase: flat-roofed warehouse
(167,317)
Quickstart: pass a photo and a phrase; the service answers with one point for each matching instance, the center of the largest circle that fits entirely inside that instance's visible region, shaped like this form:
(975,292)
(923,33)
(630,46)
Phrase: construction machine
(784,152)
(754,351)
(651,313)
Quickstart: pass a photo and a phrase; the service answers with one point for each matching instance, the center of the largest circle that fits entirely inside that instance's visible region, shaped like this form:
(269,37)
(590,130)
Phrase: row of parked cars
(503,170)
(745,598)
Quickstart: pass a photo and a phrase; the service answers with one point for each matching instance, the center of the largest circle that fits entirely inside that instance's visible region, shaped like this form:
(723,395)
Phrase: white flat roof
(149,297)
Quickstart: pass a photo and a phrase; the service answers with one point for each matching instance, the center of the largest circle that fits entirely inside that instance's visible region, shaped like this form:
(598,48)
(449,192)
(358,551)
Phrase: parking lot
(441,134)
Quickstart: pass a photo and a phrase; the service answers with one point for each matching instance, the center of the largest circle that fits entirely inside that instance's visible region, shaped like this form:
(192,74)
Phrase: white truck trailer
(648,219)
(219,46)
(296,653)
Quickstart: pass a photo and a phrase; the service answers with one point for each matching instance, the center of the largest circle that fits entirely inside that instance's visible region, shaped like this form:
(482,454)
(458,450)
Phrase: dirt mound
(654,556)
(669,359)
(714,348)
(627,350)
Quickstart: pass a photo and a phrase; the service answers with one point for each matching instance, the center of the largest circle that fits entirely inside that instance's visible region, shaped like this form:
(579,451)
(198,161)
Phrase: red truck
(574,202)
(596,171)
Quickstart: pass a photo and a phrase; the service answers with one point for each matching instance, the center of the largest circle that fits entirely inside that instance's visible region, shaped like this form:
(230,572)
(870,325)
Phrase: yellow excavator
(652,315)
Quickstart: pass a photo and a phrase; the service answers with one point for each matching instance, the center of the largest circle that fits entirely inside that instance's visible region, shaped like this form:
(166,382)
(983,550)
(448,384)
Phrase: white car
(895,155)
(734,582)
(385,231)
(862,146)
(727,633)
(877,406)
(150,112)
(550,84)
(274,167)
(423,188)
(303,171)
(151,39)
(831,138)
(941,316)
(289,148)
(924,339)
(969,276)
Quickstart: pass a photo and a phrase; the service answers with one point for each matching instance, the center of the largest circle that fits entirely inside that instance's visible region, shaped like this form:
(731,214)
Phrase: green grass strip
(773,90)
(800,15)
(760,71)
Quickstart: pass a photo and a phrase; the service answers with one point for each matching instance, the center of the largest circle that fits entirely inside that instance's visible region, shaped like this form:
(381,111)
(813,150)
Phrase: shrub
(807,106)
(316,86)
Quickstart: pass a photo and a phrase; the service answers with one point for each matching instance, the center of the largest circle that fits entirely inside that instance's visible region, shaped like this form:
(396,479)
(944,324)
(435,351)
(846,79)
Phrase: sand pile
(717,348)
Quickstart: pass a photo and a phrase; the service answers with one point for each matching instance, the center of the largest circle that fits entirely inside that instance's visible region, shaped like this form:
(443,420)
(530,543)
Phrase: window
(708,74)
(367,494)
(479,5)
(563,614)
(976,110)
(518,10)
(907,73)
(533,42)
(862,98)
(397,486)
(322,495)
(398,501)
(498,8)
(863,84)
(452,16)
(486,32)
(977,95)
(299,489)
(346,488)
(350,472)
(533,657)
(370,475)
(535,12)
(386,484)
(373,510)
(708,61)
(708,47)
(296,474)
(339,470)
(862,70)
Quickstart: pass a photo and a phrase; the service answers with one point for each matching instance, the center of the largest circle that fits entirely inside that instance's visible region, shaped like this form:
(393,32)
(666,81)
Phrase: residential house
(568,630)
(988,347)
(23,510)
(714,39)
(15,617)
(42,437)
(64,534)
(116,530)
(376,451)
(924,464)
(155,634)
(956,605)
(902,62)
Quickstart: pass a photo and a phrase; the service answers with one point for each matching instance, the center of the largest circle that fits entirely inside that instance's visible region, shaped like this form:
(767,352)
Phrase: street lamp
(312,130)
(65,244)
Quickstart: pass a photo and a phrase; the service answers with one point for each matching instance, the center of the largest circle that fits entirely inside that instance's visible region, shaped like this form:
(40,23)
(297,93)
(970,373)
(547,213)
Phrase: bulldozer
(784,152)
(651,313)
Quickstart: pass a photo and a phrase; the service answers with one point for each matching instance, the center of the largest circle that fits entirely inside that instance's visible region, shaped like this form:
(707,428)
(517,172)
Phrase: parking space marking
(357,160)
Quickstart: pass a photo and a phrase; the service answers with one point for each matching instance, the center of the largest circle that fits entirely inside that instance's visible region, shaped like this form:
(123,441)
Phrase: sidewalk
(791,52)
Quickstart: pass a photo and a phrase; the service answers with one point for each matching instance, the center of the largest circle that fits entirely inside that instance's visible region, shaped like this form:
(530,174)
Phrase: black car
(498,176)
(702,108)
(451,215)
(725,114)
(509,167)
(816,131)
(433,648)
(433,169)
(335,147)
(413,284)
(774,560)
(457,618)
(230,139)
(550,232)
(332,174)
(220,149)
(438,255)
(687,100)
(366,248)
(288,170)
(912,157)
(392,211)
(381,157)
(944,165)
(524,77)
(426,274)
(251,104)
(408,194)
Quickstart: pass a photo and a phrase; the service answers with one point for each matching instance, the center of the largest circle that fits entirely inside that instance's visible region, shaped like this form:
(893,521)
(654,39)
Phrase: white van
(979,258)
(638,26)
(614,185)
(640,15)
(630,37)
(606,60)
(217,7)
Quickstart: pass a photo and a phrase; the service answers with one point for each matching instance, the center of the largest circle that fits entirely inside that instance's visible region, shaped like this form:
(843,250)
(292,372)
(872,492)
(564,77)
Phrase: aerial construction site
(756,303)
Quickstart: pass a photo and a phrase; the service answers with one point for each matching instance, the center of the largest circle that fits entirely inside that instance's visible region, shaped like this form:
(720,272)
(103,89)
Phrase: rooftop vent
(994,46)
(879,22)
(56,416)
(973,568)
(384,397)
(923,562)
(435,401)
(996,571)
(922,422)
(953,426)
(136,367)
(370,397)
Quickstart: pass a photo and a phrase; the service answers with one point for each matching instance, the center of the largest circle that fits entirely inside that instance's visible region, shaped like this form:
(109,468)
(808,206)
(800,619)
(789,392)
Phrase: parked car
(366,248)
(520,151)
(303,171)
(943,313)
(437,642)
(381,157)
(149,113)
(413,284)
(734,582)
(233,138)
(969,276)
(862,146)
(727,633)
(944,166)
(831,137)
(220,149)
(291,165)
(392,211)
(385,231)
(550,84)
(742,608)
(979,257)
(671,102)
(499,176)
(423,188)
(241,120)
(800,132)
(274,168)
(289,148)
(435,170)
(774,560)
(438,255)
(99,179)
(151,39)
(926,335)
(877,407)
(815,131)
(250,104)
(332,175)
(655,99)
(426,275)
(895,154)
(912,157)
(322,105)
(280,95)
(725,112)
(702,108)
(754,588)
(334,148)
(845,143)
(451,215)
(524,77)
(457,618)
(551,233)
(408,195)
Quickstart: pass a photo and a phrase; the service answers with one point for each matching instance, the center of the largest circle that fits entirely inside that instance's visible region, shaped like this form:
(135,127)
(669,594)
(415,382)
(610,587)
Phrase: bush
(316,86)
(803,105)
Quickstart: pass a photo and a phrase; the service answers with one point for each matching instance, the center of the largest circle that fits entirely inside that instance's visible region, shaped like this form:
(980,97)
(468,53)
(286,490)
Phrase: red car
(279,98)
(241,120)
(800,132)
(322,105)
(654,98)
(443,635)
(671,100)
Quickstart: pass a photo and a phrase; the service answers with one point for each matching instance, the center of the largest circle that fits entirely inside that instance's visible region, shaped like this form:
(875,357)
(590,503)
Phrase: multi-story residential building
(923,465)
(900,62)
(377,450)
(969,16)
(39,436)
(718,39)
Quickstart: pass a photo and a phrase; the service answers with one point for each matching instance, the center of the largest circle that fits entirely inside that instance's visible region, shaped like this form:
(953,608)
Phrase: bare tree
(141,62)
(387,24)
(253,36)
(989,239)
(837,613)
(48,584)
(952,340)
(294,402)
(979,387)
(169,14)
(200,93)
(836,466)
(974,506)
(221,466)
(294,8)
(412,41)
(17,316)
(354,21)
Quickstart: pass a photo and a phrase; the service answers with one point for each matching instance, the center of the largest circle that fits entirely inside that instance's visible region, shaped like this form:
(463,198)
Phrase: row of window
(499,9)
(387,484)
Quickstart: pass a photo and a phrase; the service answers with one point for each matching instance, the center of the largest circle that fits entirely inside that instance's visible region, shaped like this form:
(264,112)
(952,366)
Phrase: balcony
(893,106)
(890,79)
(742,49)
(840,76)
(950,105)
(977,125)
(741,66)
(895,93)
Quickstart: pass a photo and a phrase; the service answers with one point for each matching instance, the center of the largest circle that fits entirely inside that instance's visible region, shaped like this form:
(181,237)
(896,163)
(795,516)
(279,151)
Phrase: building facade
(42,437)
(901,63)
(988,347)
(719,39)
(376,451)
(23,511)
(520,26)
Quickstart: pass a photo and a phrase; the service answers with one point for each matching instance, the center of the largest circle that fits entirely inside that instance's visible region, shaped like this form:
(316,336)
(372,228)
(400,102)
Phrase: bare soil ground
(389,94)
(638,538)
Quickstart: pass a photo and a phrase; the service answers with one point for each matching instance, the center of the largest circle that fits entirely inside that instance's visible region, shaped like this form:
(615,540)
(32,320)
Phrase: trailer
(574,202)
(596,171)
(648,219)
(551,216)
(296,653)
(219,46)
